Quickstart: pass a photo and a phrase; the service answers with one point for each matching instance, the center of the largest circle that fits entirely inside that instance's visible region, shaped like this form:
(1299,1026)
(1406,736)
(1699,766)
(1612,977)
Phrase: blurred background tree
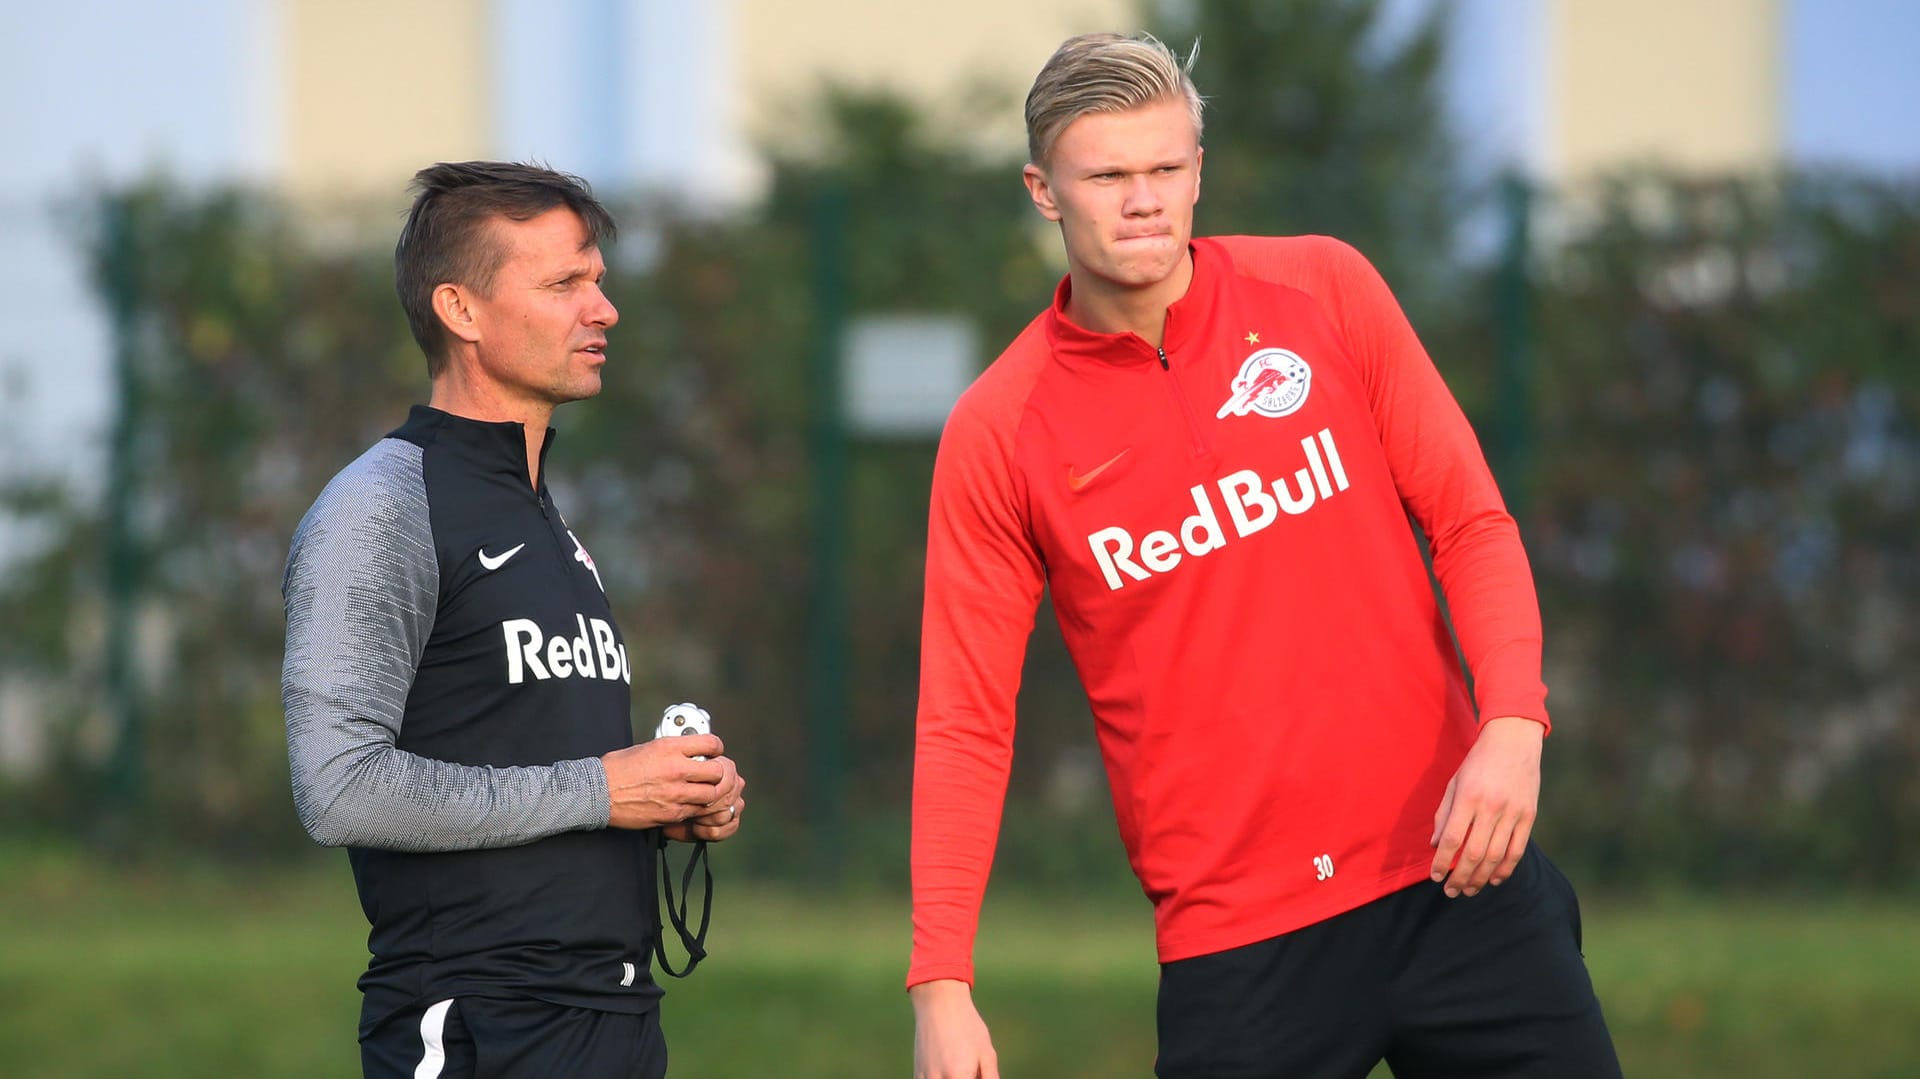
(1696,382)
(1728,474)
(1327,118)
(1722,469)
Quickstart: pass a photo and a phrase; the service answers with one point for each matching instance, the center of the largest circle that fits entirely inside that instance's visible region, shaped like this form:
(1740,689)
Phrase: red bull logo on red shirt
(1249,505)
(1273,382)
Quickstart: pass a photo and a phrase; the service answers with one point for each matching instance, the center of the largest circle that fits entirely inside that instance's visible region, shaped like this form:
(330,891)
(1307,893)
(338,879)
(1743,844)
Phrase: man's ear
(453,304)
(1199,159)
(1040,191)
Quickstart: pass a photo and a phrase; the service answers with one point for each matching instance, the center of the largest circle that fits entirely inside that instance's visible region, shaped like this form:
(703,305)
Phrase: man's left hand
(722,819)
(1489,808)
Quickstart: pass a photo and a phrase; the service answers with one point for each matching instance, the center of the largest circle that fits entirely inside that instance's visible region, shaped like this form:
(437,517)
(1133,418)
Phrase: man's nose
(1142,199)
(603,313)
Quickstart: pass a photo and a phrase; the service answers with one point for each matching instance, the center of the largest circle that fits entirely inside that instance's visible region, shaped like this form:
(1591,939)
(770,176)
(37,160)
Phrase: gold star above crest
(1253,338)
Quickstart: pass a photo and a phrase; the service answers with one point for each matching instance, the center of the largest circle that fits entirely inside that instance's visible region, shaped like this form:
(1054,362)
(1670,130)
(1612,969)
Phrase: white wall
(621,92)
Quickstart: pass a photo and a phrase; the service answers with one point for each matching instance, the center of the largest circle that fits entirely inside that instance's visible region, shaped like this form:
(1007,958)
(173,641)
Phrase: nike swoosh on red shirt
(1077,480)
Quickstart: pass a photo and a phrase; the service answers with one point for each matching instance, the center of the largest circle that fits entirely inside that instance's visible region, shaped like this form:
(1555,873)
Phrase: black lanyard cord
(695,943)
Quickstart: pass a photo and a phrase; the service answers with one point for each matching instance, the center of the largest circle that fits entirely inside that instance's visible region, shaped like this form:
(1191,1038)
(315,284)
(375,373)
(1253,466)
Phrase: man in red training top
(1207,449)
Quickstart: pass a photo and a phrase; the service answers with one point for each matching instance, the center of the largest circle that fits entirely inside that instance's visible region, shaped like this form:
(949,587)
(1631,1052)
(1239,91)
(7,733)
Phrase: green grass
(217,973)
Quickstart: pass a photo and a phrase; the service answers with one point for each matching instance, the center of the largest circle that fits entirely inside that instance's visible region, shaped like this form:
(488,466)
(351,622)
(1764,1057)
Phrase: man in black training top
(456,691)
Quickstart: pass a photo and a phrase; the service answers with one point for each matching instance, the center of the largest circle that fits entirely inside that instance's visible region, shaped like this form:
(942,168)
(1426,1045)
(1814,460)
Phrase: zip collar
(1186,316)
(487,446)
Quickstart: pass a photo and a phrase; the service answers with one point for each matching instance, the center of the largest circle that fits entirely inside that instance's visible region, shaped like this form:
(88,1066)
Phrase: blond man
(1207,450)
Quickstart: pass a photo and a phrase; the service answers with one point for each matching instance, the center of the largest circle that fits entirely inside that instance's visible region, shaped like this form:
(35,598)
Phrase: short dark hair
(448,235)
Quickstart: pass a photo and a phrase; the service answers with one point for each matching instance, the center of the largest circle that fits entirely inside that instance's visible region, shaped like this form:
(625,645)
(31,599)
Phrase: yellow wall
(377,89)
(928,49)
(1692,83)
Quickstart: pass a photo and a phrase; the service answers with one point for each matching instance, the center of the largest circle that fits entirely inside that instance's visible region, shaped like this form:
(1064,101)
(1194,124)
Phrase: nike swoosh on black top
(493,562)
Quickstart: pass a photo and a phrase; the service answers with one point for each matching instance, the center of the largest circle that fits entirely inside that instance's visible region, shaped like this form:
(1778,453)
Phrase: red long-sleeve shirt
(1223,525)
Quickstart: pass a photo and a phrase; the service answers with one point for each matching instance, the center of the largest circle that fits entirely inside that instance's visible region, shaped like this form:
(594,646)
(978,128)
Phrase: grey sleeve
(361,586)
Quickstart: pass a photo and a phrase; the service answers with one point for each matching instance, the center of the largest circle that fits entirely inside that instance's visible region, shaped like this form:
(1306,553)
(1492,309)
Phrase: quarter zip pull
(1186,409)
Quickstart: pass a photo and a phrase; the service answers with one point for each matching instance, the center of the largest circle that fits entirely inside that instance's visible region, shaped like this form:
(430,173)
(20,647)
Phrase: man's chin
(1139,273)
(578,390)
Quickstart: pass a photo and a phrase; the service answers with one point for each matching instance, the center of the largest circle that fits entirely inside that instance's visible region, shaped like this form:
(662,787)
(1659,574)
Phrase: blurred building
(343,99)
(1697,85)
(1568,88)
(672,96)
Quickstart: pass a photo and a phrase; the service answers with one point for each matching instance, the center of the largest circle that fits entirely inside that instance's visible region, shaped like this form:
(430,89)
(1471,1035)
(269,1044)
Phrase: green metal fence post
(1513,361)
(119,278)
(827,613)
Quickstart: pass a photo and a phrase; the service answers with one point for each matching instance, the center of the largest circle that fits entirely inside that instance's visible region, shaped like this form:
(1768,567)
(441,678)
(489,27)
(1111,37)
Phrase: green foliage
(1723,469)
(258,366)
(692,466)
(1728,472)
(1326,118)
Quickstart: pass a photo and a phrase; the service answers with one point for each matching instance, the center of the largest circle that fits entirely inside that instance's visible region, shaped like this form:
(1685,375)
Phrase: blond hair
(1105,73)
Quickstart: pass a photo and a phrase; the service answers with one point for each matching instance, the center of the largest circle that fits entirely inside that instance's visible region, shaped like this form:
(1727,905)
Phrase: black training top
(453,673)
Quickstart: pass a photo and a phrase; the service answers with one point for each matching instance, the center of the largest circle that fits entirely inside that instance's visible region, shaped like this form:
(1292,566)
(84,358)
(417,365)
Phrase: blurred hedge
(1728,483)
(1720,468)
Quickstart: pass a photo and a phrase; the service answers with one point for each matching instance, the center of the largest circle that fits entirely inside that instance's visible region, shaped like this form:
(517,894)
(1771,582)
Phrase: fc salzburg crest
(581,556)
(1273,382)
